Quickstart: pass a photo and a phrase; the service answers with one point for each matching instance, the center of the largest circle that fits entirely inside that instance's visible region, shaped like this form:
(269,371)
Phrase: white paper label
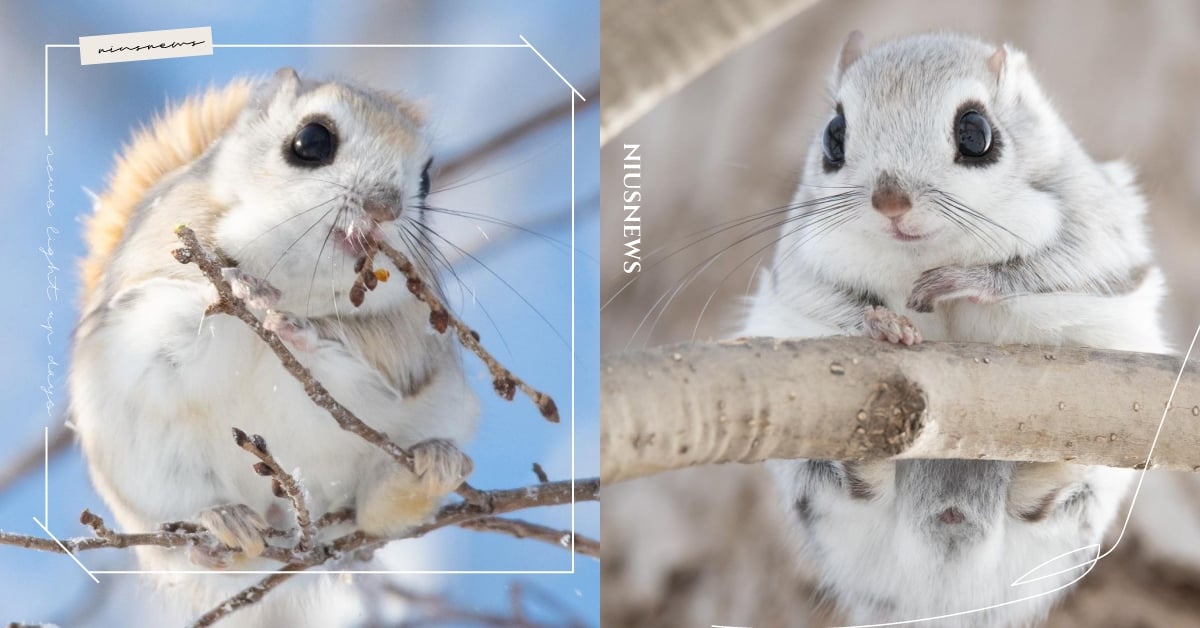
(179,42)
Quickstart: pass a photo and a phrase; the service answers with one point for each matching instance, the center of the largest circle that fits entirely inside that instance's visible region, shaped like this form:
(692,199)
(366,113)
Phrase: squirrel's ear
(997,61)
(285,82)
(1004,62)
(855,44)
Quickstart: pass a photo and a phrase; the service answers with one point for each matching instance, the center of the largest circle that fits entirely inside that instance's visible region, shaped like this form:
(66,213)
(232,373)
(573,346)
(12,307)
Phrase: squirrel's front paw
(257,293)
(884,324)
(440,465)
(292,329)
(951,282)
(237,526)
(402,499)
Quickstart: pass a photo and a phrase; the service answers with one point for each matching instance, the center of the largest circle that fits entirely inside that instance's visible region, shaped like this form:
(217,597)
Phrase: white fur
(157,386)
(1076,219)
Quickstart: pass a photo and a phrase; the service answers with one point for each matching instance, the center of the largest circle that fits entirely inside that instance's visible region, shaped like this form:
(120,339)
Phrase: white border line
(575,93)
(552,68)
(68,552)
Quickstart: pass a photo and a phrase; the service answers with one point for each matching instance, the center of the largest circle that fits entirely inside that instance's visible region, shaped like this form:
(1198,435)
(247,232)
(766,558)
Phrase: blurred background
(502,140)
(701,547)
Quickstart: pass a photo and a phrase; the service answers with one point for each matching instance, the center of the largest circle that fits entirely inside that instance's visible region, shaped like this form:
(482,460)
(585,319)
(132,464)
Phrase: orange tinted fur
(175,138)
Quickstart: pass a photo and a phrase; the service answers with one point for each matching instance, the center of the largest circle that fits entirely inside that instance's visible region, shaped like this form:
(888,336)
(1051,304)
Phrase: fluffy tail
(176,137)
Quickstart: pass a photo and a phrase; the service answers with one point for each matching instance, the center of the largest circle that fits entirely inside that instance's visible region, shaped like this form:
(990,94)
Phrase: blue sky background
(471,95)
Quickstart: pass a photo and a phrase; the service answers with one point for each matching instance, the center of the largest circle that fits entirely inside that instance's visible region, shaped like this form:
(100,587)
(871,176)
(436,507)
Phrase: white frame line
(575,93)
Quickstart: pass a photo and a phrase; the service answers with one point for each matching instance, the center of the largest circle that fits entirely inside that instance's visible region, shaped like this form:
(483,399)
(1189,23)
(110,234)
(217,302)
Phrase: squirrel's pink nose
(891,202)
(380,211)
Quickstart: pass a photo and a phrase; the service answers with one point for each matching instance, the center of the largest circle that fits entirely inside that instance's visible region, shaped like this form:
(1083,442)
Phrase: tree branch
(846,398)
(193,252)
(497,502)
(441,318)
(653,49)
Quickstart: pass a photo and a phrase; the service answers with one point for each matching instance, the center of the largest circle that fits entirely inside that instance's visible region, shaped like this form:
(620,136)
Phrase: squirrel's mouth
(353,239)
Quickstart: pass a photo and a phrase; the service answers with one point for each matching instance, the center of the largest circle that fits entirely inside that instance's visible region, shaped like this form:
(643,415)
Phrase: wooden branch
(526,530)
(496,502)
(283,485)
(33,457)
(183,533)
(653,49)
(441,318)
(193,252)
(846,398)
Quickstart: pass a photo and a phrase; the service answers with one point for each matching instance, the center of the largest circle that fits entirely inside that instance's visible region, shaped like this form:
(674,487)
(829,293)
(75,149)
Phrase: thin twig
(526,530)
(441,318)
(439,610)
(244,598)
(194,253)
(283,485)
(183,534)
(496,502)
(35,455)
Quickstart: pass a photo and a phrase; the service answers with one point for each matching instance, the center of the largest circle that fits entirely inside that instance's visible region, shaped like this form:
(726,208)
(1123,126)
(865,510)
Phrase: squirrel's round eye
(425,179)
(314,144)
(834,142)
(974,134)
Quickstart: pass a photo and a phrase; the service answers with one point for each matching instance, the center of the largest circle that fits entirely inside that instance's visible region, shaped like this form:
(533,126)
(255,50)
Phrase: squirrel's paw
(292,329)
(257,293)
(950,282)
(1039,489)
(883,324)
(397,501)
(440,465)
(237,526)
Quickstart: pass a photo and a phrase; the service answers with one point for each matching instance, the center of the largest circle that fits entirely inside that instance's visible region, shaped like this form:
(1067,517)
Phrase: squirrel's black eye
(425,179)
(834,143)
(313,145)
(974,135)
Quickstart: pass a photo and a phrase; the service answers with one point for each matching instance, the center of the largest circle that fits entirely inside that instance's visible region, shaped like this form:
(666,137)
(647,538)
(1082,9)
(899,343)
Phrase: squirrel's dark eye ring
(973,134)
(833,143)
(425,179)
(313,145)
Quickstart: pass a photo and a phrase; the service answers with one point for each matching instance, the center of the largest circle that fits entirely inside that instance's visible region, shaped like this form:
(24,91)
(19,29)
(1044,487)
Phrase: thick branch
(652,49)
(853,398)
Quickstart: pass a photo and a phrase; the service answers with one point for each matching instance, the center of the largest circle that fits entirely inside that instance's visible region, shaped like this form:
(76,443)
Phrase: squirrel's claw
(881,323)
(238,526)
(440,465)
(257,293)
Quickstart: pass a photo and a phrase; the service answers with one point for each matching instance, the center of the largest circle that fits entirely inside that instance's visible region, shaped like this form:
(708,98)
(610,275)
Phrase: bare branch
(540,473)
(847,398)
(653,49)
(194,253)
(182,533)
(526,530)
(244,598)
(439,610)
(441,318)
(496,502)
(283,485)
(33,457)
